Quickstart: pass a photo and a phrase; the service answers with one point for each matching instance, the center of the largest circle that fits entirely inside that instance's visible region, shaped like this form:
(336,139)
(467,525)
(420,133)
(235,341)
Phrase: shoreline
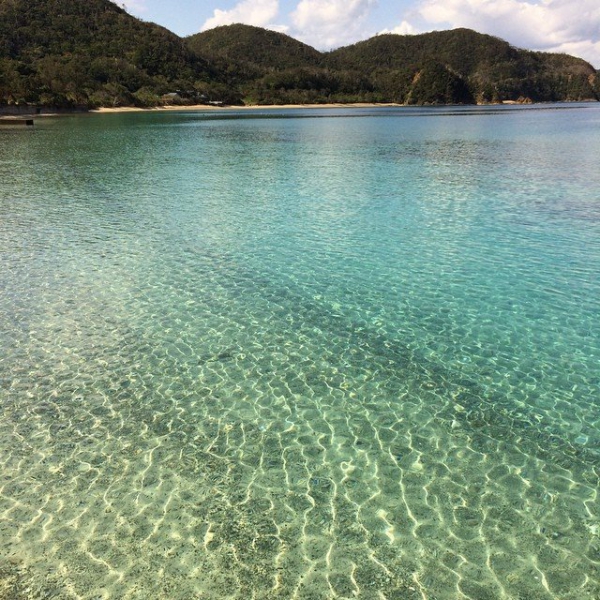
(200,107)
(331,105)
(256,107)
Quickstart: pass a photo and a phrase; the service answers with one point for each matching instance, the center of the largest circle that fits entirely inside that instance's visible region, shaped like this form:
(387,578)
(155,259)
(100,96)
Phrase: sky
(571,26)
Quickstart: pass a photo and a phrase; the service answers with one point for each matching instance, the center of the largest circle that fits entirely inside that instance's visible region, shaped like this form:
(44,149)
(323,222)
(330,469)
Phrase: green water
(306,354)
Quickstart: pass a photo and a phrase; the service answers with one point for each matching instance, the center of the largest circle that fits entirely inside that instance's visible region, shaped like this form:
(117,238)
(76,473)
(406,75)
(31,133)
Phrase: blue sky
(571,26)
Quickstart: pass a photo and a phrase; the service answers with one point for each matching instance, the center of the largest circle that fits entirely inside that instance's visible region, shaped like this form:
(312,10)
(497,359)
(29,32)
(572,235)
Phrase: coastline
(202,107)
(41,112)
(331,105)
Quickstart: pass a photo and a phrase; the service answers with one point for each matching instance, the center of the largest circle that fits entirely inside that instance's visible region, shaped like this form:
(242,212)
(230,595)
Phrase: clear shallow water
(301,354)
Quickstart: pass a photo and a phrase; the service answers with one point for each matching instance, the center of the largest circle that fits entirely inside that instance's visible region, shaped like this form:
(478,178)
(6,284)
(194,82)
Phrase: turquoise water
(311,354)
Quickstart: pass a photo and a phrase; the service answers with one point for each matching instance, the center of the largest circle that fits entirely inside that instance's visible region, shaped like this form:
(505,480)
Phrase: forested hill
(254,48)
(67,53)
(462,66)
(91,53)
(447,67)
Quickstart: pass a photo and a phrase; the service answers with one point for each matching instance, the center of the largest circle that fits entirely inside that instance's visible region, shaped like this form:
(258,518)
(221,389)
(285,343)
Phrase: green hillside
(74,52)
(263,66)
(267,67)
(67,53)
(490,69)
(260,50)
(447,67)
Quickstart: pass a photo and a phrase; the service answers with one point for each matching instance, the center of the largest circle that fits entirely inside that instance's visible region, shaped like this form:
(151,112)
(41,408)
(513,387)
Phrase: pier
(16,121)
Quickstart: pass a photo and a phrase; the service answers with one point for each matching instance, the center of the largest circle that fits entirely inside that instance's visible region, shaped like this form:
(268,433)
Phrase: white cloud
(331,23)
(251,12)
(405,28)
(550,25)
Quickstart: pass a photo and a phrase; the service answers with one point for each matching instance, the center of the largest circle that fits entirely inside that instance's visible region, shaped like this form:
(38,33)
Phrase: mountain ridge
(92,53)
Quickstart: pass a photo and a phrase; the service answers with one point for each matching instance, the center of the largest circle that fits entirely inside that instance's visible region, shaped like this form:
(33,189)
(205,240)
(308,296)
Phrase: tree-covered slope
(491,69)
(70,52)
(259,49)
(93,53)
(458,66)
(265,67)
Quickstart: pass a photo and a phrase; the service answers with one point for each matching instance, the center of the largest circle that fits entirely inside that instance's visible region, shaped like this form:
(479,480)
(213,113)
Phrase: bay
(292,353)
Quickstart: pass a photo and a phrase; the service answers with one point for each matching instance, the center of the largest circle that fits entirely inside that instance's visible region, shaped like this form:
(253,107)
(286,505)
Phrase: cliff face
(69,53)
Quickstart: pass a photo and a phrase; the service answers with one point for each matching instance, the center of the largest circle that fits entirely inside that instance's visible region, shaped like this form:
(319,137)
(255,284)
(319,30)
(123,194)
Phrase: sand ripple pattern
(141,466)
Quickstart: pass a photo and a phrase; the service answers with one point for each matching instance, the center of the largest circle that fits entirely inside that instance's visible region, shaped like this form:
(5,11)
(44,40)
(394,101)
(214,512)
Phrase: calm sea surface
(301,354)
